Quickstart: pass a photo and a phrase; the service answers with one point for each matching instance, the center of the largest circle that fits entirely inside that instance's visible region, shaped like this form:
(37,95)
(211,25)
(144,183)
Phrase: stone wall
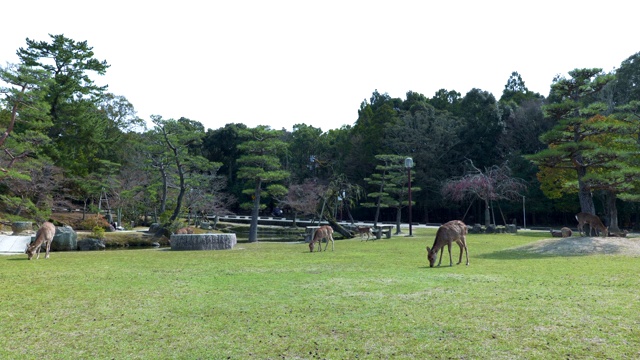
(203,241)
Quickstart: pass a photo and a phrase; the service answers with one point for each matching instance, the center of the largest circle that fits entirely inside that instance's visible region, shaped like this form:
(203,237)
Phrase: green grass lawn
(366,300)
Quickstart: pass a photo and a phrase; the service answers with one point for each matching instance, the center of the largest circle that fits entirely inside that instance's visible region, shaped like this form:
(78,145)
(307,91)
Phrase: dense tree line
(67,141)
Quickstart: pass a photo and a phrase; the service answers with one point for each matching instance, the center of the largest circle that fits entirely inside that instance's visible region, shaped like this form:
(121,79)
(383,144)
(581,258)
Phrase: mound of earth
(584,246)
(72,218)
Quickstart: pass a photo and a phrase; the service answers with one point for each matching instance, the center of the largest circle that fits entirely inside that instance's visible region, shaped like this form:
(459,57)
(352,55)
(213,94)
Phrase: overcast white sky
(281,63)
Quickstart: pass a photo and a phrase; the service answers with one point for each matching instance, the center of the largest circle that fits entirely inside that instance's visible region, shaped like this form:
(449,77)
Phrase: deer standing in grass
(594,223)
(324,232)
(362,230)
(453,231)
(45,234)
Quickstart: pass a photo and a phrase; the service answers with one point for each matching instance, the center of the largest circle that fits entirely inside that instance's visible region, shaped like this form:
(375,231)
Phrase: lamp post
(408,163)
(524,215)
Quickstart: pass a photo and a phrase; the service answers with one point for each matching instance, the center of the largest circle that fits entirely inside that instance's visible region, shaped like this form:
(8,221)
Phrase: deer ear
(428,249)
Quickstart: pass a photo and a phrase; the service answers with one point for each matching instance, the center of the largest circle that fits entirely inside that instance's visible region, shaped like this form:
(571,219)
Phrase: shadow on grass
(441,267)
(19,258)
(515,254)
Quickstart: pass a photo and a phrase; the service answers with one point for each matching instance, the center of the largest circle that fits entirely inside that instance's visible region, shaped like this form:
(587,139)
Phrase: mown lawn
(366,300)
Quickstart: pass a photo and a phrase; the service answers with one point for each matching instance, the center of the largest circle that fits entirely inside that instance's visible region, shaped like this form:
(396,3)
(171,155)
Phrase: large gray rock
(476,229)
(203,241)
(154,228)
(65,239)
(90,244)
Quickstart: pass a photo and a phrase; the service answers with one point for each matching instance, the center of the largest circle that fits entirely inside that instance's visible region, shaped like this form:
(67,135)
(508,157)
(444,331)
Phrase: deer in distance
(364,230)
(185,230)
(453,231)
(594,224)
(324,232)
(44,235)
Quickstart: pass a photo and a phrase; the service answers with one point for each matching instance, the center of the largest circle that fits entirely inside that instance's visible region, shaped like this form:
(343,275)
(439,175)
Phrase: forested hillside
(67,142)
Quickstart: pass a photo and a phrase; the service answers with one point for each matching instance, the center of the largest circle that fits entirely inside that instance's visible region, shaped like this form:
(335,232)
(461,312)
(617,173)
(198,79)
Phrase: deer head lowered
(45,234)
(593,221)
(324,232)
(453,231)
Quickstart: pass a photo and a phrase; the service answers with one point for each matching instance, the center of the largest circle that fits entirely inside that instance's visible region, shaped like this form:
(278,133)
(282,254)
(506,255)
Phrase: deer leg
(466,252)
(461,249)
(450,258)
(48,248)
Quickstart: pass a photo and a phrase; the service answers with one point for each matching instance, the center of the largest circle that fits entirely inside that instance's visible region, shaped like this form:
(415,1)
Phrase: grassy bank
(365,300)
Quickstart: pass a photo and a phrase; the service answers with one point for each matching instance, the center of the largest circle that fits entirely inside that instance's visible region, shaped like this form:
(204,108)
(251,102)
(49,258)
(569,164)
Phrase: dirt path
(584,246)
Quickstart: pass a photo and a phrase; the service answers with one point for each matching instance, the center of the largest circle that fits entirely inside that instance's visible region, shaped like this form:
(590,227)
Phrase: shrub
(98,232)
(94,221)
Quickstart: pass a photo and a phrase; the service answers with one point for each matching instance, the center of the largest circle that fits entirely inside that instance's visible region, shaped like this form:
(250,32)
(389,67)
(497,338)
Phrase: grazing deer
(324,232)
(453,231)
(45,234)
(185,230)
(362,230)
(594,223)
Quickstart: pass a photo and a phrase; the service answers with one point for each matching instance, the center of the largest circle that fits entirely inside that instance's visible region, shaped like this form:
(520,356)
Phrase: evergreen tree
(26,174)
(391,182)
(571,140)
(79,128)
(260,166)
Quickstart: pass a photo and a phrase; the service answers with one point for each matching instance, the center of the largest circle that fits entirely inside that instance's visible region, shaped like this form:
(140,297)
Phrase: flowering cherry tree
(495,183)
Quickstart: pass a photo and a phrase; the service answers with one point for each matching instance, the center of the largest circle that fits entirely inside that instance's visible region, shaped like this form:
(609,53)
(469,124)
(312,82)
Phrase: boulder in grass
(91,244)
(65,239)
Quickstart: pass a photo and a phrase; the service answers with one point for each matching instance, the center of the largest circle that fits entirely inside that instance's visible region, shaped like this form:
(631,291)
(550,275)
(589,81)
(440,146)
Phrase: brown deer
(362,230)
(45,234)
(185,230)
(324,232)
(453,231)
(594,224)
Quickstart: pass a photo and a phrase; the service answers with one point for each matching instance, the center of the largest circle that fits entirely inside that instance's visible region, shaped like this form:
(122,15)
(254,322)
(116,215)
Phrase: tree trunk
(255,212)
(612,212)
(398,220)
(375,220)
(487,214)
(349,214)
(337,227)
(584,193)
(379,201)
(176,211)
(165,190)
